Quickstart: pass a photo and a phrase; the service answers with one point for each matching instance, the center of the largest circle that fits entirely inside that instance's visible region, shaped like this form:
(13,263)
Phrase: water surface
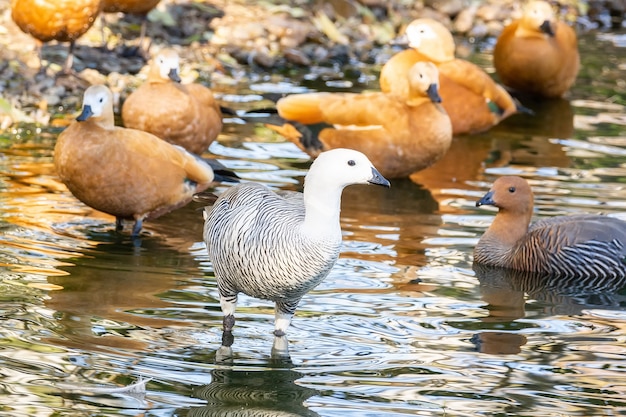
(403,325)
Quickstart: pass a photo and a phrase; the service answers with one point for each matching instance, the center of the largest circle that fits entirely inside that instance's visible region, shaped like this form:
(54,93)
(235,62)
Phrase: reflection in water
(505,291)
(111,293)
(82,305)
(267,392)
(551,118)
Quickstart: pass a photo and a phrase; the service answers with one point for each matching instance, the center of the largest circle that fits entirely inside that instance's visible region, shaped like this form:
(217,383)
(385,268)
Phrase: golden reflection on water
(405,322)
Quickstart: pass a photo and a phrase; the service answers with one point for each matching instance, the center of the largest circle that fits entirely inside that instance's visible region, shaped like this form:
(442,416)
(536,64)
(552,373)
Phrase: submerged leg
(119,224)
(137,227)
(283,315)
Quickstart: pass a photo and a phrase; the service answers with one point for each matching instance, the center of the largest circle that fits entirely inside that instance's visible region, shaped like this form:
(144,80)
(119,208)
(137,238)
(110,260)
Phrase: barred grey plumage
(279,247)
(584,246)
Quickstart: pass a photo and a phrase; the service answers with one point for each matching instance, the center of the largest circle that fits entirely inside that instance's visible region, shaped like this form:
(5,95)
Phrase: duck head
(97,105)
(539,16)
(165,67)
(432,39)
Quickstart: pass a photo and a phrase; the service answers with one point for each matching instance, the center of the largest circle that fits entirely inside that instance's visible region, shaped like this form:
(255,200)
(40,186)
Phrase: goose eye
(511,189)
(101,99)
(351,163)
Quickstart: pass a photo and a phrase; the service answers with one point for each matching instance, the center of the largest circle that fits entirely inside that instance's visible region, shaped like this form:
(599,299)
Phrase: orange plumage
(127,173)
(59,20)
(129,6)
(471,98)
(537,54)
(400,135)
(186,115)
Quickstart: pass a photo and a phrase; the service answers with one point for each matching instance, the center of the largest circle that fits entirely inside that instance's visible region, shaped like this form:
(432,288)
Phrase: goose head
(341,167)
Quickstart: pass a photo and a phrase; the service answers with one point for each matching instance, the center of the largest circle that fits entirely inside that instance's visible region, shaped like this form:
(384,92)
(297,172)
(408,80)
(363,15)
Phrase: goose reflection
(506,291)
(272,391)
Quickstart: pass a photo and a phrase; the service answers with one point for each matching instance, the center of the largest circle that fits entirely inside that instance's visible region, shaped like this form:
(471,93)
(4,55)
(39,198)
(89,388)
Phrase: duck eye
(511,189)
(351,163)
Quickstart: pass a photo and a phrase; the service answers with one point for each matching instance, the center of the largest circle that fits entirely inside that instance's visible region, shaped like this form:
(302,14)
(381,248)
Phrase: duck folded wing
(347,109)
(152,147)
(476,80)
(582,244)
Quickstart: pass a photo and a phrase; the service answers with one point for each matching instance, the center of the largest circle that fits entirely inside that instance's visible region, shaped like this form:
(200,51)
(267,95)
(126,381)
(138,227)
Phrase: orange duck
(472,99)
(185,115)
(58,20)
(400,135)
(584,245)
(537,54)
(127,173)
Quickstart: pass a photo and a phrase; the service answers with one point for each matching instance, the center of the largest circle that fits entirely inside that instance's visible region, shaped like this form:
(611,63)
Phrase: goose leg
(283,315)
(228,304)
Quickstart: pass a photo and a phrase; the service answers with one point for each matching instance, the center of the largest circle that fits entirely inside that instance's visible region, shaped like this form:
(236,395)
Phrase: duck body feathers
(399,135)
(127,173)
(584,245)
(251,219)
(471,98)
(564,246)
(183,114)
(533,62)
(399,138)
(60,20)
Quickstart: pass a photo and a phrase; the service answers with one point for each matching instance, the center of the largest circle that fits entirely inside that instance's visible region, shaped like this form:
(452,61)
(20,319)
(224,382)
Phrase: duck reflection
(551,118)
(267,392)
(505,291)
(116,284)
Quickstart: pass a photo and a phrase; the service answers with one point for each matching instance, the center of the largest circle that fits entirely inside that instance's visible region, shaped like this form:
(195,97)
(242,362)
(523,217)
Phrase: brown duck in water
(127,173)
(583,245)
(187,115)
(471,98)
(400,135)
(537,54)
(58,20)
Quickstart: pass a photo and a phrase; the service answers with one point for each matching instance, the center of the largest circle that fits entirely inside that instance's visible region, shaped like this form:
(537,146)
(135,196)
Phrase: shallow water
(402,326)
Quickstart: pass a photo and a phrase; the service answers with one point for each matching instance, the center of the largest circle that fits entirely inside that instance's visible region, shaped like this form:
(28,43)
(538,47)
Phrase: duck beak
(400,40)
(85,114)
(546,27)
(173,75)
(433,93)
(487,200)
(378,179)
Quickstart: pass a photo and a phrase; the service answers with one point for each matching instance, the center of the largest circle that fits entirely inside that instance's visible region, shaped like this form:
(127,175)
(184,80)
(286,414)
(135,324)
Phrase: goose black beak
(378,179)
